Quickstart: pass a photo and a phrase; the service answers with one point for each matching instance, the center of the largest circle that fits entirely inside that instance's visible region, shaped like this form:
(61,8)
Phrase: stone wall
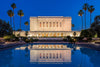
(48,34)
(50,23)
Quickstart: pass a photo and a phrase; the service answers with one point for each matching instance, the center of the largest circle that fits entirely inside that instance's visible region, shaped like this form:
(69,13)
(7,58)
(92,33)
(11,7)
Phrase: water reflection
(46,54)
(53,54)
(5,57)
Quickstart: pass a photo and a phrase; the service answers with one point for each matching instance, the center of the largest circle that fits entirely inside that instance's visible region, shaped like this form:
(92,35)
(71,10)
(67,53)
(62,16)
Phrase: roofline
(50,16)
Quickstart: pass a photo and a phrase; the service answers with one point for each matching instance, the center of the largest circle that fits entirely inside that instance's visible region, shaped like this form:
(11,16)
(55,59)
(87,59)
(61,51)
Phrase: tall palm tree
(13,6)
(73,26)
(91,9)
(10,14)
(85,7)
(20,13)
(26,24)
(80,13)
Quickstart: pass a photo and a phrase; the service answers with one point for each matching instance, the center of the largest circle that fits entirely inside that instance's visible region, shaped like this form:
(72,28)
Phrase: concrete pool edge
(11,45)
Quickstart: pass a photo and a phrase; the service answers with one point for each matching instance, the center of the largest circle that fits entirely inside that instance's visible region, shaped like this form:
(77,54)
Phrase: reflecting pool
(49,55)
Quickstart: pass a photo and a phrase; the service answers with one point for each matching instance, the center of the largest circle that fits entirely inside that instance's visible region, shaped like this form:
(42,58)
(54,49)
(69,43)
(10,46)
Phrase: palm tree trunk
(90,19)
(10,22)
(82,21)
(20,23)
(27,27)
(85,19)
(13,22)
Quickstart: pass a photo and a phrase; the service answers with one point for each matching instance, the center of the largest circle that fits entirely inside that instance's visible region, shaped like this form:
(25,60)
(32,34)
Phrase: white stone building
(50,26)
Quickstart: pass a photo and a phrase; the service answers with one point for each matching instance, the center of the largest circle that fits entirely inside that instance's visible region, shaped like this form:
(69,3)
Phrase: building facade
(50,26)
(50,53)
(44,53)
(50,23)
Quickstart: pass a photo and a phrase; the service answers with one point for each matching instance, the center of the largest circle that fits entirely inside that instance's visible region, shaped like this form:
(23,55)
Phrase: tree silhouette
(80,13)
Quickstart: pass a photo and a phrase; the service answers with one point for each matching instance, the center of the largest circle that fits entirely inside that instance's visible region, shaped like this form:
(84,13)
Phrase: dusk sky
(48,8)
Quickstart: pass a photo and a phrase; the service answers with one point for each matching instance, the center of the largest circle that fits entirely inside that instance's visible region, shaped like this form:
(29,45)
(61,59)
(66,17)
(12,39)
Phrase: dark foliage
(87,33)
(26,33)
(5,28)
(96,25)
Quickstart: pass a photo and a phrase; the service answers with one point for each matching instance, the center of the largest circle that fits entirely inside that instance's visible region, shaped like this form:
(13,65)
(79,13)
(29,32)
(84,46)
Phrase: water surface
(49,55)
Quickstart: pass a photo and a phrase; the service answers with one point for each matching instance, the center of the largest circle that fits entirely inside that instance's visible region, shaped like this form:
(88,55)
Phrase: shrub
(64,39)
(27,40)
(8,37)
(31,40)
(24,38)
(87,33)
(35,40)
(68,37)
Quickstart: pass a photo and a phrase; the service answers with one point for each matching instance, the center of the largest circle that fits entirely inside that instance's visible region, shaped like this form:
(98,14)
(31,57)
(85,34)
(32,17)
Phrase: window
(40,55)
(50,55)
(60,55)
(50,24)
(57,24)
(43,55)
(62,34)
(53,24)
(40,24)
(43,24)
(60,24)
(57,34)
(47,24)
(53,55)
(39,34)
(57,55)
(47,55)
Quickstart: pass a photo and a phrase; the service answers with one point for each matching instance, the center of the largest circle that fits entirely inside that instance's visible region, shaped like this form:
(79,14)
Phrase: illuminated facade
(50,23)
(53,53)
(50,26)
(50,53)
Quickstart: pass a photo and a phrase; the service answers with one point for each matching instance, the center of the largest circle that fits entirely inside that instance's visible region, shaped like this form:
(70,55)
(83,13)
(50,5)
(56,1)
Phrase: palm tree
(80,13)
(13,6)
(26,24)
(73,26)
(91,9)
(20,13)
(85,7)
(10,14)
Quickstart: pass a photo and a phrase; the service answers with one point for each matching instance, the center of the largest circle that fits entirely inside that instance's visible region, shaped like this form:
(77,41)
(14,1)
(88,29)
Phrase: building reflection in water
(50,53)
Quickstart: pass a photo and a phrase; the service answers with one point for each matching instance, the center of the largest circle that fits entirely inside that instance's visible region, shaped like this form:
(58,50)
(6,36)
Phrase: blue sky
(48,8)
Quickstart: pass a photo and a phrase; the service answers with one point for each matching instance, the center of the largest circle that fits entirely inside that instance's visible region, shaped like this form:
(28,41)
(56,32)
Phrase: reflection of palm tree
(5,57)
(31,46)
(91,9)
(20,13)
(92,55)
(85,7)
(10,14)
(80,13)
(26,50)
(13,6)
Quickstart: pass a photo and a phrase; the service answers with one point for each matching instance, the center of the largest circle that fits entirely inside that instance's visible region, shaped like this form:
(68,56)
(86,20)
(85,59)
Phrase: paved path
(11,44)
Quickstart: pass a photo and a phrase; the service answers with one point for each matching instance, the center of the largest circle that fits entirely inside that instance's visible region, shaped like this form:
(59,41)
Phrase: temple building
(50,23)
(50,26)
